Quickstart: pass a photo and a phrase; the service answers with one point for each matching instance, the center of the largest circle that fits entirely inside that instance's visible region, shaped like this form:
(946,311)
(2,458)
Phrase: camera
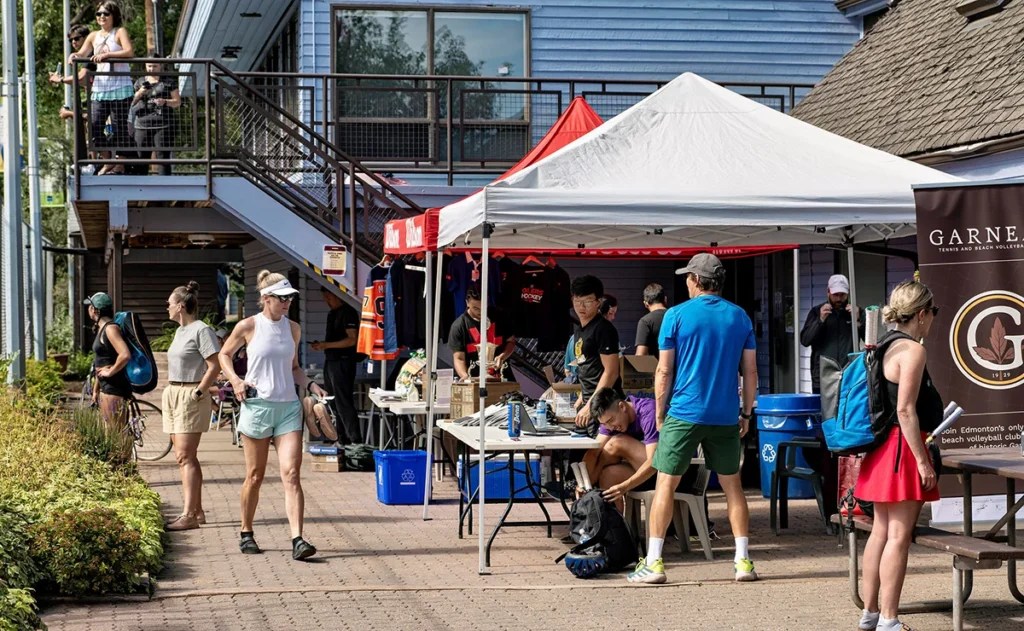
(146,85)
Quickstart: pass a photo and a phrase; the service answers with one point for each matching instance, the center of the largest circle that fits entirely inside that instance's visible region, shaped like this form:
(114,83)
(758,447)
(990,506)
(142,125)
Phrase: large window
(380,119)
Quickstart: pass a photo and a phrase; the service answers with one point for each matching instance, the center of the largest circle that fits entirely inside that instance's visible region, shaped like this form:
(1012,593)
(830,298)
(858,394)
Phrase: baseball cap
(280,288)
(838,284)
(99,300)
(704,265)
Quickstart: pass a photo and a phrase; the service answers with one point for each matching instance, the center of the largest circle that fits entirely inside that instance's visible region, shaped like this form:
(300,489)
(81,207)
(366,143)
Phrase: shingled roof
(926,79)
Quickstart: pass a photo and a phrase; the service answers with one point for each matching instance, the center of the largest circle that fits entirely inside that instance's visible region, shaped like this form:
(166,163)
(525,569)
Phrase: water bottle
(514,408)
(541,420)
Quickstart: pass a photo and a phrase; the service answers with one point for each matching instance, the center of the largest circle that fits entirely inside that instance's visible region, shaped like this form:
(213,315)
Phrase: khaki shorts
(181,414)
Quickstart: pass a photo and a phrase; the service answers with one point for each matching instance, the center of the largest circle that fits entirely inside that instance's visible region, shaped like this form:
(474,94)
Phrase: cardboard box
(327,463)
(637,371)
(562,398)
(466,396)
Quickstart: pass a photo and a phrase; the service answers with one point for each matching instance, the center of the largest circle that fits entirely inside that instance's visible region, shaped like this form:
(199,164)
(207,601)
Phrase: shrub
(60,335)
(43,381)
(18,610)
(18,570)
(88,552)
(100,441)
(162,342)
(79,364)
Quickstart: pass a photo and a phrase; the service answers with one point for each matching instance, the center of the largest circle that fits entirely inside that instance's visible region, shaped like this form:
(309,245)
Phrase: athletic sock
(654,547)
(885,624)
(868,620)
(741,548)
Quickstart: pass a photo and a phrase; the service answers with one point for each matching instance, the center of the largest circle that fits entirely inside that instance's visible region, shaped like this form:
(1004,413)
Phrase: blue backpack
(859,419)
(141,368)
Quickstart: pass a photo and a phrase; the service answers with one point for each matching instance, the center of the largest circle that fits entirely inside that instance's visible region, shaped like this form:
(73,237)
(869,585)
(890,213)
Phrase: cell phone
(251,393)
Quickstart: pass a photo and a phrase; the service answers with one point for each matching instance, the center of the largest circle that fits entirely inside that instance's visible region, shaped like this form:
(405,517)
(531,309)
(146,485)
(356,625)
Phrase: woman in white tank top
(270,404)
(111,95)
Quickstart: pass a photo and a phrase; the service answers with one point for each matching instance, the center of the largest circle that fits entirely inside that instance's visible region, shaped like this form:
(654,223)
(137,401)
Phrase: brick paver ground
(382,567)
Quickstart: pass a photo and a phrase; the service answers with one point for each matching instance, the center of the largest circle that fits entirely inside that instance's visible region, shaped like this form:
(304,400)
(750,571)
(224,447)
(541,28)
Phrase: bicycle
(145,424)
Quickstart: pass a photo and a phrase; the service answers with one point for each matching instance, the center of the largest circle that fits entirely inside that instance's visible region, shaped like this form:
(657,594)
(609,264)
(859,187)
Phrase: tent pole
(853,296)
(482,462)
(383,386)
(428,385)
(433,369)
(796,319)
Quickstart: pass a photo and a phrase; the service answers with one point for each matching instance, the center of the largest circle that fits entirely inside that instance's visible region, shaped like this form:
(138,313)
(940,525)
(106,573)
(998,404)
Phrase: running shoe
(744,570)
(649,574)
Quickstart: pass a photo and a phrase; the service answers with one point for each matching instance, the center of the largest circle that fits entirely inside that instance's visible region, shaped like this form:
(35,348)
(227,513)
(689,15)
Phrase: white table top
(498,440)
(406,407)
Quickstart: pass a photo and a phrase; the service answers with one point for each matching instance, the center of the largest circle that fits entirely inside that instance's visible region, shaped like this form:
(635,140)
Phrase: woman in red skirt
(898,476)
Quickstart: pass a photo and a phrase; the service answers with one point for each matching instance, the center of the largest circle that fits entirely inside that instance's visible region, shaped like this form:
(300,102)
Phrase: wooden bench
(969,554)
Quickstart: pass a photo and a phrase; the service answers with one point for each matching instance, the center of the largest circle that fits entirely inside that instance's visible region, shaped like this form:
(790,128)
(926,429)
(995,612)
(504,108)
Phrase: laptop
(527,427)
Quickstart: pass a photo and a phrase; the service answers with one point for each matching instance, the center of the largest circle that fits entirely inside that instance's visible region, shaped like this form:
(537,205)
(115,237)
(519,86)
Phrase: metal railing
(466,125)
(223,125)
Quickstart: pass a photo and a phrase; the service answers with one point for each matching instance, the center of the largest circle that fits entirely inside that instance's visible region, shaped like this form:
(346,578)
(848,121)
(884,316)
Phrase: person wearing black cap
(112,356)
(702,341)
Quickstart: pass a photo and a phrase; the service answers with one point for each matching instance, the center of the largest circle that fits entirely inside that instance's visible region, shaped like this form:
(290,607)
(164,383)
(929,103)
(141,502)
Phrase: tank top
(106,355)
(104,85)
(270,355)
(929,402)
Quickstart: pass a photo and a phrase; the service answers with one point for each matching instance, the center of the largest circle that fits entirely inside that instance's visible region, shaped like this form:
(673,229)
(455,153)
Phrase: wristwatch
(747,416)
(197,394)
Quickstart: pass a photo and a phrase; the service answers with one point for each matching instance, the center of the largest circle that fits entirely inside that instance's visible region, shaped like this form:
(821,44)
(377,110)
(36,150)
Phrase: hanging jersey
(466,270)
(372,320)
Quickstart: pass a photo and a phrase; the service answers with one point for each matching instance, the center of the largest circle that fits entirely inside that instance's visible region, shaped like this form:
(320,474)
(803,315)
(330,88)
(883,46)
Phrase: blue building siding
(723,40)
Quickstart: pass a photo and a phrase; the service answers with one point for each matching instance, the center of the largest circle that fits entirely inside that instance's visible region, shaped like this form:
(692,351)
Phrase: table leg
(1011,539)
(536,496)
(508,507)
(563,464)
(968,576)
(463,486)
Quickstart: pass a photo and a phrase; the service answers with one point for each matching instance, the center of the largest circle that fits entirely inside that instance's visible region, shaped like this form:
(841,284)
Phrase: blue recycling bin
(782,417)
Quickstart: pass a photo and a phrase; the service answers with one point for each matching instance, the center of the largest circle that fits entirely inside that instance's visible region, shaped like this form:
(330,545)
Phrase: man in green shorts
(702,341)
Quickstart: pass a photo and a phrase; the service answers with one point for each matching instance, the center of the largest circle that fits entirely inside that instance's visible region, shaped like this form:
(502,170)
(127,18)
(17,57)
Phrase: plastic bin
(401,476)
(497,477)
(782,417)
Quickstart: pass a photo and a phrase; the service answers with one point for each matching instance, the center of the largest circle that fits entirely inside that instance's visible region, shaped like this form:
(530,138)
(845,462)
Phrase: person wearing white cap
(270,404)
(828,331)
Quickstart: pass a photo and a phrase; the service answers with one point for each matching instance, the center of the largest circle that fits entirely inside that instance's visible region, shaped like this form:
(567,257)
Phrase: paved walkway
(382,567)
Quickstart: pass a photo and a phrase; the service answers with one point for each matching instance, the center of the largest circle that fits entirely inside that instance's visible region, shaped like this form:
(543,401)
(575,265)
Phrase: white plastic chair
(685,502)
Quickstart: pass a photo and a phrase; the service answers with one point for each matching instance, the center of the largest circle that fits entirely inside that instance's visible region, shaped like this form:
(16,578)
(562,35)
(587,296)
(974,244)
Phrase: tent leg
(383,386)
(853,296)
(796,320)
(482,462)
(428,384)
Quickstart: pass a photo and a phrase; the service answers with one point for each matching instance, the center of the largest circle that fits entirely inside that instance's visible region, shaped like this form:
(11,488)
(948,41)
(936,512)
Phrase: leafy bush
(79,364)
(162,342)
(43,381)
(89,552)
(18,610)
(18,570)
(60,335)
(100,441)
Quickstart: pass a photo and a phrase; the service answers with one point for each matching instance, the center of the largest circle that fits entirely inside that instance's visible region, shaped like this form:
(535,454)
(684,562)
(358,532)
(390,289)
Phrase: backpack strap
(878,393)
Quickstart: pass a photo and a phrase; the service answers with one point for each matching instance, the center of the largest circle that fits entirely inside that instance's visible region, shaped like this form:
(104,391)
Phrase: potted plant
(60,338)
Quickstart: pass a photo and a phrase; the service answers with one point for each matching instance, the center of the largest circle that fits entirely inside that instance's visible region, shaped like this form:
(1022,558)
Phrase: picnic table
(1007,464)
(499,442)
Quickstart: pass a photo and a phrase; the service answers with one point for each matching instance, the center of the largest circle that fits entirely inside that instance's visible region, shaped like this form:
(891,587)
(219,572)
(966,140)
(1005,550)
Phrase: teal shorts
(263,419)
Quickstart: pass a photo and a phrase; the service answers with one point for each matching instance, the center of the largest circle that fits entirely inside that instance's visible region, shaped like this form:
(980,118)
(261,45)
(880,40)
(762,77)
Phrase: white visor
(282,288)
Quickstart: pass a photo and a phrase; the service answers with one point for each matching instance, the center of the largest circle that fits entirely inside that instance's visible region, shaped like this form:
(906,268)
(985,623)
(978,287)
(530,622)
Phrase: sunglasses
(935,311)
(76,38)
(284,299)
(103,14)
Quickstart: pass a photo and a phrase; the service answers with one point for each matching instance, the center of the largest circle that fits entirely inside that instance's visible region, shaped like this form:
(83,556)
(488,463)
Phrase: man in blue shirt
(702,342)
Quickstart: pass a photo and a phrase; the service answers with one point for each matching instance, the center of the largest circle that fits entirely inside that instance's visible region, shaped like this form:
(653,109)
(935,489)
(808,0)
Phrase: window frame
(432,10)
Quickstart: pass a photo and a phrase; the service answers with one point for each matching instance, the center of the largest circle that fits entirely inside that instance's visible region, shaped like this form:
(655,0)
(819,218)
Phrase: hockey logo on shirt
(474,346)
(532,295)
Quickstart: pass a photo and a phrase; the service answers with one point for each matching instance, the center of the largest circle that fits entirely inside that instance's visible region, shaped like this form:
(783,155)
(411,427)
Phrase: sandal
(302,549)
(248,545)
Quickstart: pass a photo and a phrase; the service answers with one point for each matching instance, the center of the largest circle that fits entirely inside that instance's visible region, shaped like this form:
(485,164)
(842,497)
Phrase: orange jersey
(371,322)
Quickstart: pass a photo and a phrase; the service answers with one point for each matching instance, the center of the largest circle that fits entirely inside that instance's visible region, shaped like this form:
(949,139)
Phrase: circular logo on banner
(986,340)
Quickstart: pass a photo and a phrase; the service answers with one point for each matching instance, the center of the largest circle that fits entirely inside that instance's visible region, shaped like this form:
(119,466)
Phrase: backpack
(359,457)
(859,419)
(141,368)
(604,542)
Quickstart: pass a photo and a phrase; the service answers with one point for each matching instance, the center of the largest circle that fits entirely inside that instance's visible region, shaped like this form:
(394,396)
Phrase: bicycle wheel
(146,423)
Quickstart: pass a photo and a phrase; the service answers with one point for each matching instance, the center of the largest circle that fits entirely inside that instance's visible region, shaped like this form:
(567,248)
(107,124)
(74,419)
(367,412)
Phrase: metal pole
(853,296)
(482,462)
(37,285)
(158,35)
(383,386)
(48,273)
(796,319)
(14,308)
(69,126)
(428,388)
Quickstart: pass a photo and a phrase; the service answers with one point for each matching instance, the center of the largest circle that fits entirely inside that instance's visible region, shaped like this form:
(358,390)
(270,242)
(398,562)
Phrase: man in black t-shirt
(464,339)
(596,346)
(649,326)
(339,347)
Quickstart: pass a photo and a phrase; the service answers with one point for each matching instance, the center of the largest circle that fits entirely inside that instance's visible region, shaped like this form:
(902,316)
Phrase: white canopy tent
(692,165)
